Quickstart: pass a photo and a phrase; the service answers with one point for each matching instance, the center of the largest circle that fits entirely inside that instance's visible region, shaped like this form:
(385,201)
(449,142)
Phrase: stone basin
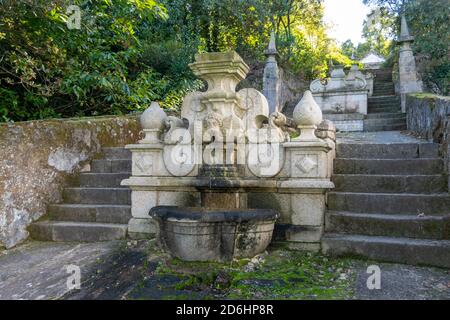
(201,234)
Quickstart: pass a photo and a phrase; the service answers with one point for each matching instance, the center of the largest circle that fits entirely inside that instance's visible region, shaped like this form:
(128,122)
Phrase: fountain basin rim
(212,215)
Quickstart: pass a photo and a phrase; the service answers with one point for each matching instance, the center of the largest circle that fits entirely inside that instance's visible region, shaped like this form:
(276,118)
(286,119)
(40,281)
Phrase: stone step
(383,77)
(390,203)
(383,103)
(97,195)
(90,213)
(381,73)
(376,105)
(64,231)
(111,166)
(385,121)
(392,127)
(381,88)
(392,109)
(99,179)
(388,166)
(116,153)
(398,115)
(343,116)
(382,107)
(390,183)
(382,93)
(388,225)
(384,98)
(384,87)
(387,151)
(385,110)
(399,250)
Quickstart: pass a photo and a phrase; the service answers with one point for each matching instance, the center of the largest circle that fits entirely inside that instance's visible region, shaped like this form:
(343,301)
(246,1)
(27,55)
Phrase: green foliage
(128,53)
(49,70)
(378,31)
(428,23)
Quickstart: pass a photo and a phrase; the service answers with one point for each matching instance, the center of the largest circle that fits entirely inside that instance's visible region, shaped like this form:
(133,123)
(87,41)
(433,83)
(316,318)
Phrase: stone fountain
(211,184)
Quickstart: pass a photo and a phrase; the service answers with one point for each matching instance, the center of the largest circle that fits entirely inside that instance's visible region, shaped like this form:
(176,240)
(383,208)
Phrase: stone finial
(404,32)
(153,122)
(409,80)
(271,78)
(271,48)
(307,116)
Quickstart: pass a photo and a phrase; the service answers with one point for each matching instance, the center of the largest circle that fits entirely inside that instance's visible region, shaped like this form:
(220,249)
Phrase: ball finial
(307,116)
(152,122)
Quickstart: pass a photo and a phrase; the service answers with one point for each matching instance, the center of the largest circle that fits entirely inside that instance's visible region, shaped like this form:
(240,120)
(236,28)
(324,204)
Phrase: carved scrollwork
(256,108)
(265,159)
(357,83)
(317,86)
(176,129)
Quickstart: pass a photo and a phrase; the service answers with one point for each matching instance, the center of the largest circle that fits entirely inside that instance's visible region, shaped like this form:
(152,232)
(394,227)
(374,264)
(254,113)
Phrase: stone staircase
(391,203)
(384,109)
(95,207)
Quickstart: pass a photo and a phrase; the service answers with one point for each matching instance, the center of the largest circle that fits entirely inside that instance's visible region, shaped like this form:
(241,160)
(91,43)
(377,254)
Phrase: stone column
(271,88)
(409,81)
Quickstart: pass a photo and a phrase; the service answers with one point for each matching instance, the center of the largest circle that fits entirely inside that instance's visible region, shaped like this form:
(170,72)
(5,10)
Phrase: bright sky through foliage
(345,18)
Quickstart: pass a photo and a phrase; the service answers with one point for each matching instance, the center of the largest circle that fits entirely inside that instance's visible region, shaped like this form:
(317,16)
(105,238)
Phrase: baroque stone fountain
(211,184)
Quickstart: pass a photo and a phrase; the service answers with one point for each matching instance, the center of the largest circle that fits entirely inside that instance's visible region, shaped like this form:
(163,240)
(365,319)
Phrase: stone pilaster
(409,81)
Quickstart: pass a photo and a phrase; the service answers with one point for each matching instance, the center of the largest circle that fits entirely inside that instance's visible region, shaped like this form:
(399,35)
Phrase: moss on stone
(281,274)
(426,95)
(41,152)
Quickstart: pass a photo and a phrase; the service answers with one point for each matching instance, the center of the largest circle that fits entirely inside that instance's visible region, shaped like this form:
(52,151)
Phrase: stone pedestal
(309,169)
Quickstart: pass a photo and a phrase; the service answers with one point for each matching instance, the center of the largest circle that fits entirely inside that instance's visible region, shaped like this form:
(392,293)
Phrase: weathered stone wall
(428,115)
(292,86)
(36,157)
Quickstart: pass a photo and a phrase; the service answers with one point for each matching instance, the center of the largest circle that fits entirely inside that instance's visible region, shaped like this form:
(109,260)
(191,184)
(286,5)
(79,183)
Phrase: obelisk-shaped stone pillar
(271,76)
(409,81)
